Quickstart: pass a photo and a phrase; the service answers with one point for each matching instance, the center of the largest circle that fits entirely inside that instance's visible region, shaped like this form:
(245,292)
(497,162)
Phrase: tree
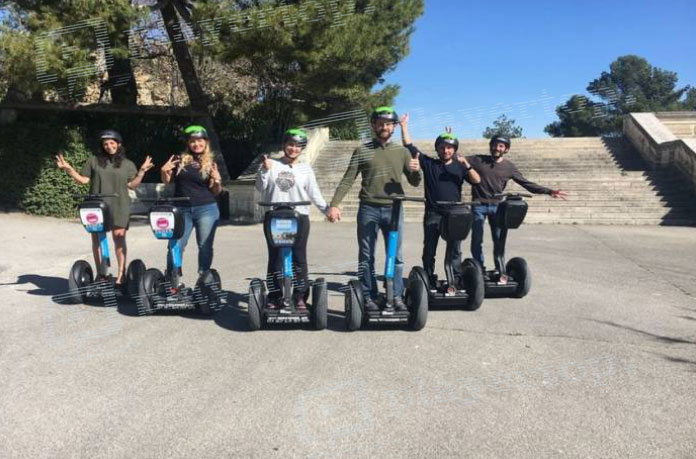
(503,126)
(72,43)
(631,85)
(271,63)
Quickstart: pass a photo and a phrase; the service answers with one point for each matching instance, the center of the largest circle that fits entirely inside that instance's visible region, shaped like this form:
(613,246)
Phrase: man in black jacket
(444,177)
(495,172)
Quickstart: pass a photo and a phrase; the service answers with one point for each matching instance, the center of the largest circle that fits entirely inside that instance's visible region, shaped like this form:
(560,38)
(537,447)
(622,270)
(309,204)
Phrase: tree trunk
(121,83)
(197,98)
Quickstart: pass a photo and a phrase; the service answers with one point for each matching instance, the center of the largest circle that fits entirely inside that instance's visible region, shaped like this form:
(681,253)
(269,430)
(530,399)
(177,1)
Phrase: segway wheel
(519,271)
(473,283)
(81,276)
(150,285)
(134,273)
(256,303)
(354,305)
(320,304)
(209,292)
(417,301)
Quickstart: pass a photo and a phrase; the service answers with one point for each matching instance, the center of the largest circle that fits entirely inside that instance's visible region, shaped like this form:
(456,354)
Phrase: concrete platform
(599,360)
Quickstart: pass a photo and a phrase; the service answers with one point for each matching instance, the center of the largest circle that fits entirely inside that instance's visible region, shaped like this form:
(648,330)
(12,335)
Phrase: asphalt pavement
(598,361)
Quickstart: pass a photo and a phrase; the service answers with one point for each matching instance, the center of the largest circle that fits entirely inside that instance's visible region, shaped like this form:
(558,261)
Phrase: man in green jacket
(380,163)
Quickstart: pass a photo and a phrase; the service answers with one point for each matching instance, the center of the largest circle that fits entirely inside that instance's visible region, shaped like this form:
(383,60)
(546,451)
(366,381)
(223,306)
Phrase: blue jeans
(481,211)
(205,219)
(371,219)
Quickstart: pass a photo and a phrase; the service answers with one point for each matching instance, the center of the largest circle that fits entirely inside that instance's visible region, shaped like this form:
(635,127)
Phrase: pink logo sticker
(92,218)
(162,223)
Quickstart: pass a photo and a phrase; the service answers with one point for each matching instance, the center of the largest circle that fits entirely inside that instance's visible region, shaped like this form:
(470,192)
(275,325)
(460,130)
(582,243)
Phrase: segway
(83,286)
(465,289)
(281,226)
(416,293)
(510,215)
(165,291)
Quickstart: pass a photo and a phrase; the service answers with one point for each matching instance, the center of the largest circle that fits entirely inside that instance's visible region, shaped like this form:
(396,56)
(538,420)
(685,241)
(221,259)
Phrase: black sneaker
(370,305)
(399,304)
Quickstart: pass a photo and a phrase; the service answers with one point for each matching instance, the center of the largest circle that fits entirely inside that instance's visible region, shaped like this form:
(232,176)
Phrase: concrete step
(608,182)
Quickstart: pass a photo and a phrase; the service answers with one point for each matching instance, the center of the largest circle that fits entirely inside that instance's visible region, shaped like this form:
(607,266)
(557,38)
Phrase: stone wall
(658,144)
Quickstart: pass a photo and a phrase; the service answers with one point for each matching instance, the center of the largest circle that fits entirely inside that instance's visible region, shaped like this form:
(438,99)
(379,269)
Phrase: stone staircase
(607,180)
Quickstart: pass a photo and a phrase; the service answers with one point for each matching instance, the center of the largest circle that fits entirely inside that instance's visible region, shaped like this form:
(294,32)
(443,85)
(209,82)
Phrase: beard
(384,133)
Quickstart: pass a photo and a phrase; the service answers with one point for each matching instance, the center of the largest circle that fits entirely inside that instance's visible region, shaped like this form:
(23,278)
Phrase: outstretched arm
(535,188)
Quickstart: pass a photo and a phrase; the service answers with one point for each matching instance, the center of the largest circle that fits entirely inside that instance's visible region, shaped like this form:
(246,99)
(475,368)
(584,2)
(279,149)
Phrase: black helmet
(384,113)
(295,135)
(447,139)
(110,134)
(500,138)
(195,132)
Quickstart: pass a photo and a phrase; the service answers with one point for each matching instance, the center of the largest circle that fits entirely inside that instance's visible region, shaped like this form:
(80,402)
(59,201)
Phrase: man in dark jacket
(443,177)
(495,171)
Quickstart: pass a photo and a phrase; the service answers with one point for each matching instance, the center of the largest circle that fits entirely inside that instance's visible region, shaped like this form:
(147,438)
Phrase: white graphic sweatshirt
(290,183)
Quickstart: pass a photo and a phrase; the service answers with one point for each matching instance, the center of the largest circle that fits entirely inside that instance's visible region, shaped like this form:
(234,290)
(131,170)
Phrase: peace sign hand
(147,164)
(170,164)
(62,163)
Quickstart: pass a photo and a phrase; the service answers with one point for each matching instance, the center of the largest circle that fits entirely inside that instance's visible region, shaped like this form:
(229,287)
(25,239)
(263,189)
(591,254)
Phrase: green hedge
(32,182)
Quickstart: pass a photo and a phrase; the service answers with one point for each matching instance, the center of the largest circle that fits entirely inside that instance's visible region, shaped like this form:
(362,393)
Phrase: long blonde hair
(207,159)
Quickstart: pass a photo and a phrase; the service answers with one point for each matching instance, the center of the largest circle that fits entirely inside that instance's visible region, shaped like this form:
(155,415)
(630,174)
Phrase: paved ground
(599,361)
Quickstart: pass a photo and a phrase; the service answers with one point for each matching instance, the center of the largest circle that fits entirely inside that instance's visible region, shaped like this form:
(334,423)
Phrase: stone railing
(682,124)
(658,144)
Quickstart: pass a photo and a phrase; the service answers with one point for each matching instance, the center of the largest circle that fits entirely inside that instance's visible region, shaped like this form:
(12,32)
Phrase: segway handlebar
(170,199)
(399,197)
(513,195)
(284,204)
(96,196)
(456,203)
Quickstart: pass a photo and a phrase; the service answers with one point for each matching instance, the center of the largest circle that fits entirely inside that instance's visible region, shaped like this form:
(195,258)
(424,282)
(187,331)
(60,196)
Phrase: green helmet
(385,113)
(295,135)
(195,132)
(447,139)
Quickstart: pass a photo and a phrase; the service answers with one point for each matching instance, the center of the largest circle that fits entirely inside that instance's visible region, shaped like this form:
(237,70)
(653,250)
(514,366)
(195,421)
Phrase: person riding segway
(381,164)
(496,171)
(288,187)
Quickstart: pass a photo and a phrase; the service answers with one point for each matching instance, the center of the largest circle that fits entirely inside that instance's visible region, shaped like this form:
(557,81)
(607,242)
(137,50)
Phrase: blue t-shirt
(443,182)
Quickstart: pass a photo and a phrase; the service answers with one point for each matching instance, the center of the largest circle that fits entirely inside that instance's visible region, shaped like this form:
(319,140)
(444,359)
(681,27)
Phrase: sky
(470,61)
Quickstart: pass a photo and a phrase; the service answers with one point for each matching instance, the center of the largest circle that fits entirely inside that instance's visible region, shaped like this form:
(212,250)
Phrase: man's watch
(469,168)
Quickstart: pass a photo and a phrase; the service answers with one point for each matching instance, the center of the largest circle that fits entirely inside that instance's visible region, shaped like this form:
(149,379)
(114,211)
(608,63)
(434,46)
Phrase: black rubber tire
(417,301)
(81,275)
(518,269)
(257,302)
(354,305)
(136,270)
(208,287)
(417,270)
(473,283)
(150,289)
(320,304)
